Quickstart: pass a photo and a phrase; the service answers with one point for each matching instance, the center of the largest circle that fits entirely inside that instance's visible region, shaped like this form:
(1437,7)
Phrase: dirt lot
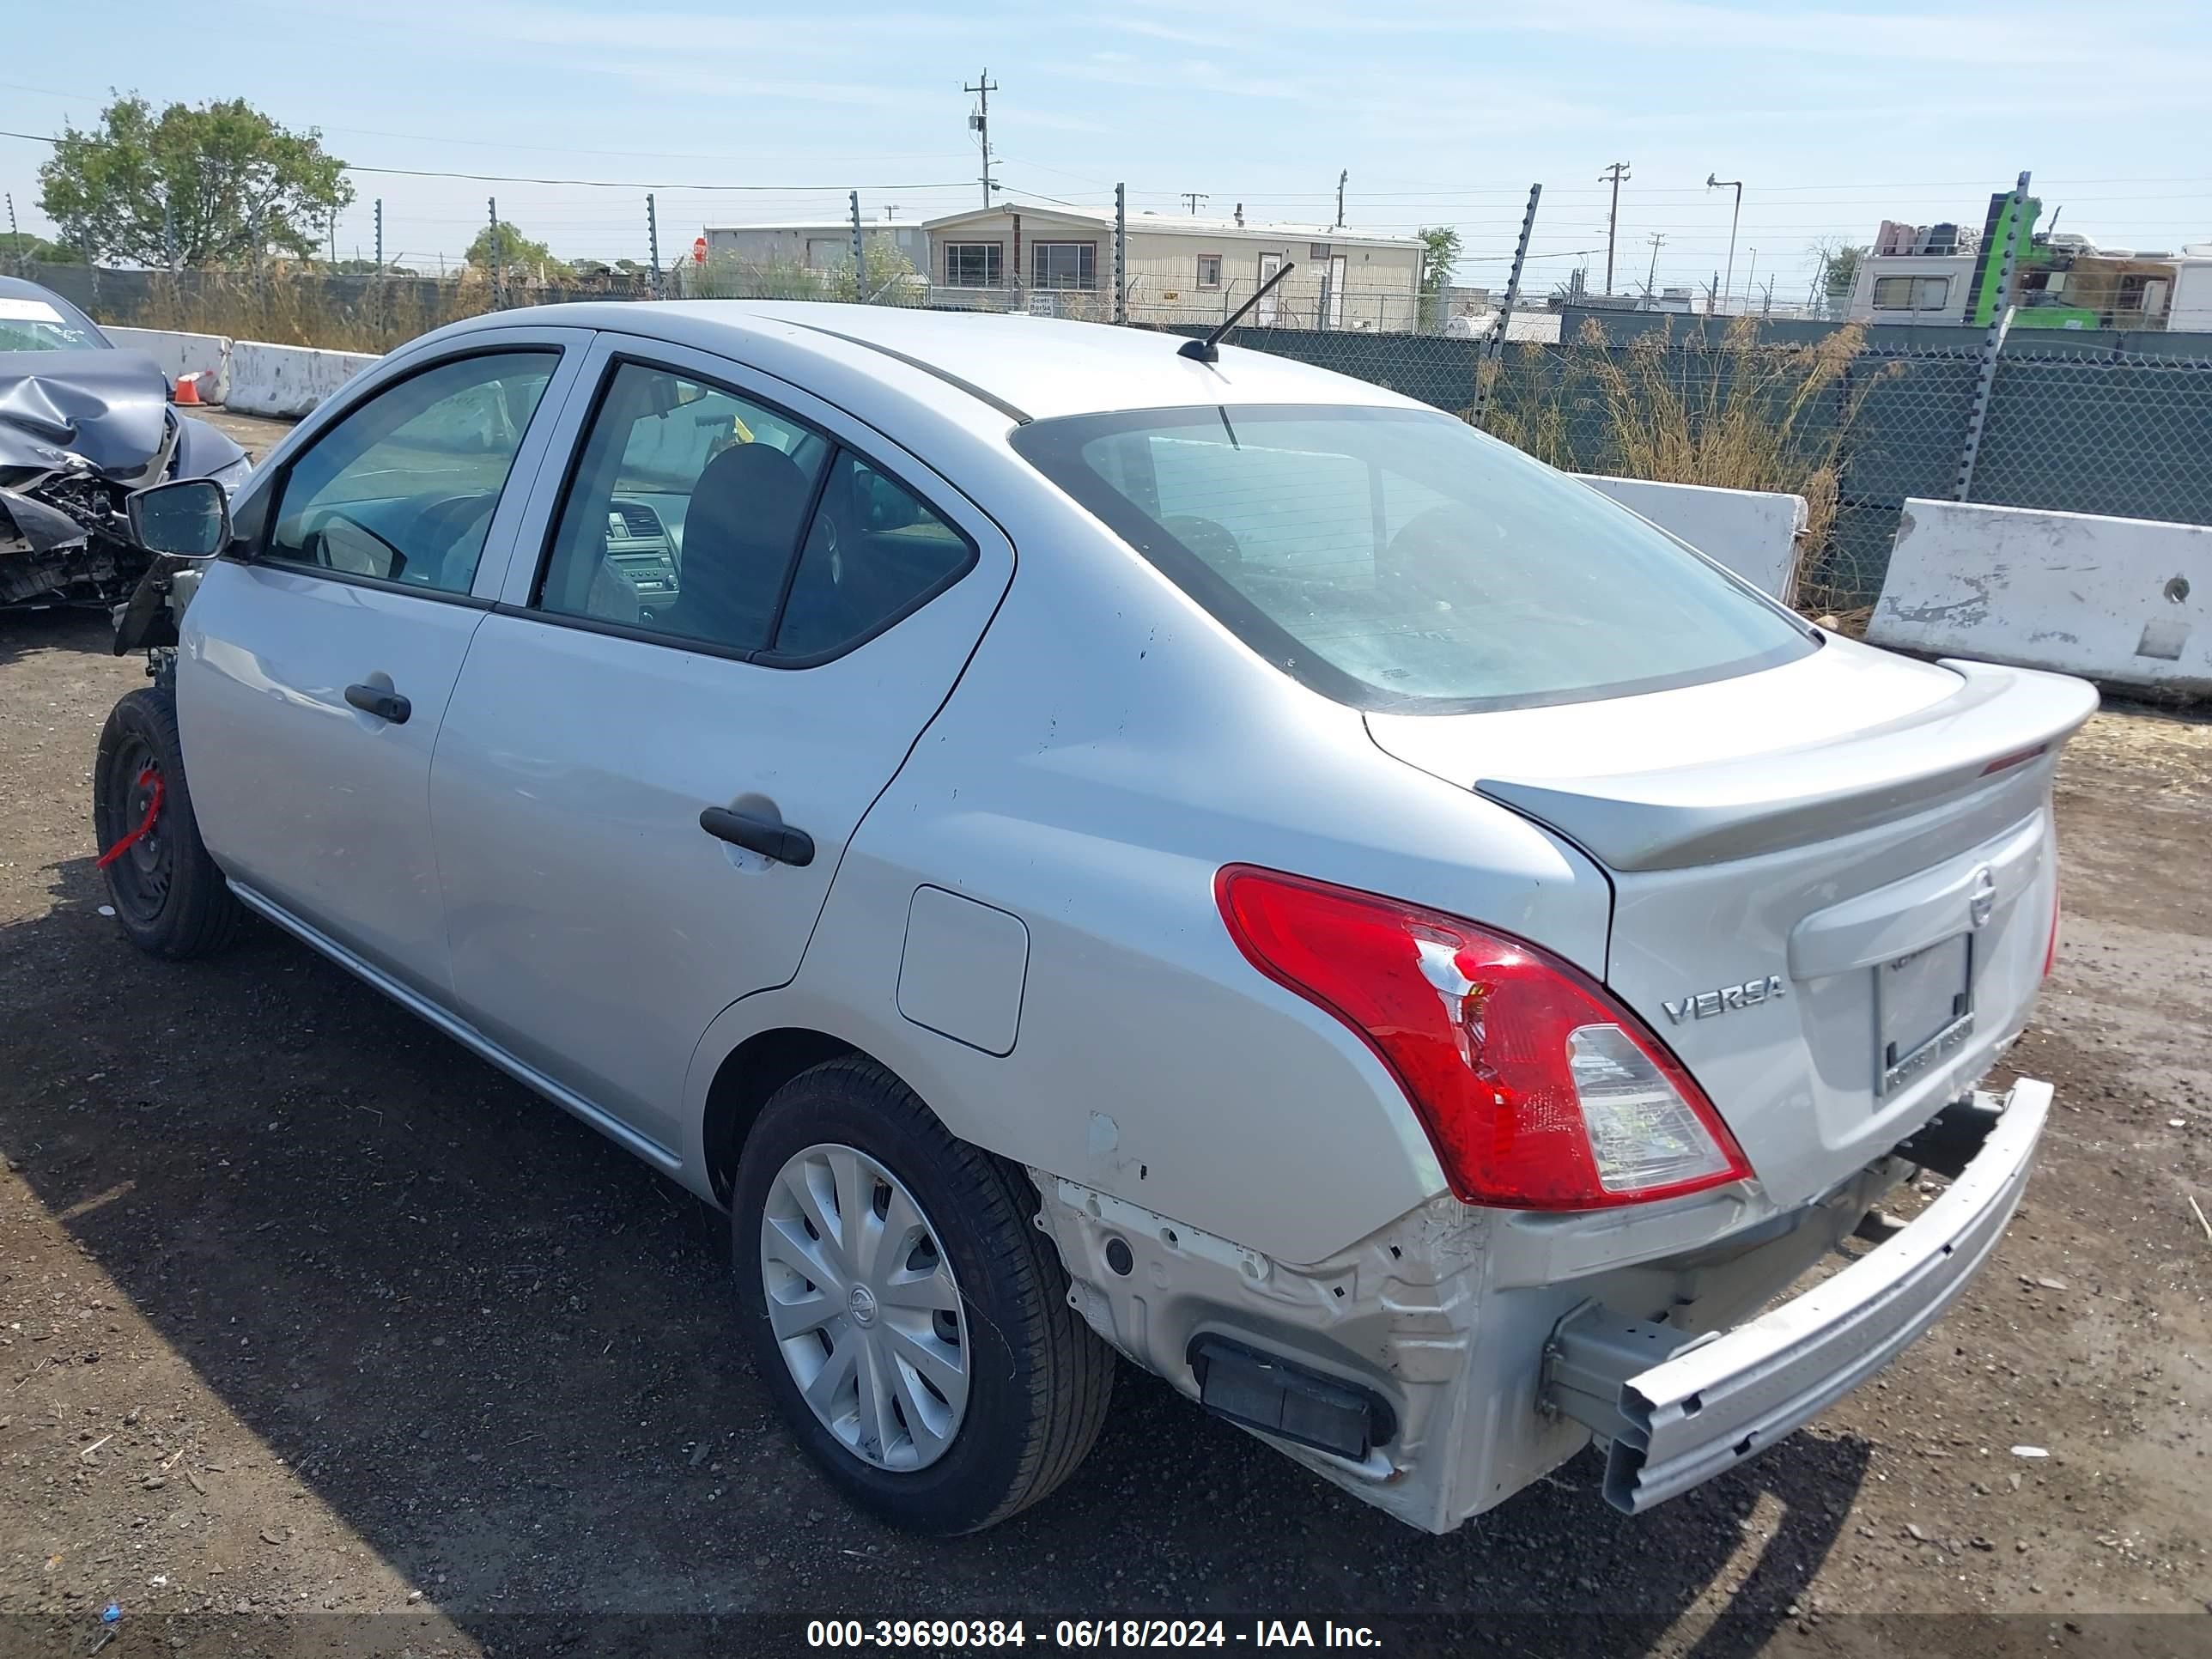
(306,1315)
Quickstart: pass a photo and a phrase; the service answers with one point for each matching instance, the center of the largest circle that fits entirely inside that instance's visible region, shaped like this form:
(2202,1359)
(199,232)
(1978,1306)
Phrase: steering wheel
(444,524)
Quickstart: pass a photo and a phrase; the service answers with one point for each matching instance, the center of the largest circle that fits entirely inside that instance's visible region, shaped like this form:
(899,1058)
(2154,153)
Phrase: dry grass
(1738,416)
(285,306)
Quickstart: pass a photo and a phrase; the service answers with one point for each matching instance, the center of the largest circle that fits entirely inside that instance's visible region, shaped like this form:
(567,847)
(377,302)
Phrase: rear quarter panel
(1108,750)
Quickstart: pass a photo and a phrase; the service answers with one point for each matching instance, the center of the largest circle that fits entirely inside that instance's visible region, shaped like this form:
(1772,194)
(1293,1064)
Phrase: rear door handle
(385,705)
(772,839)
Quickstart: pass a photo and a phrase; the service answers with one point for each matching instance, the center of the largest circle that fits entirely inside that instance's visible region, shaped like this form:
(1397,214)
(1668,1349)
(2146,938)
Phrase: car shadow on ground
(502,1352)
(26,633)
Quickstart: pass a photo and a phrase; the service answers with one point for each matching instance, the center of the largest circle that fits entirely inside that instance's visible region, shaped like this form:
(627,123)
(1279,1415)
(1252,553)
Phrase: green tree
(1842,273)
(19,247)
(1441,243)
(1838,261)
(518,255)
(218,184)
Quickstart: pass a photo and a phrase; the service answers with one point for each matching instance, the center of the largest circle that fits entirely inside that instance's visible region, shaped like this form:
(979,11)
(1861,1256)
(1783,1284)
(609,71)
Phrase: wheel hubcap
(865,1307)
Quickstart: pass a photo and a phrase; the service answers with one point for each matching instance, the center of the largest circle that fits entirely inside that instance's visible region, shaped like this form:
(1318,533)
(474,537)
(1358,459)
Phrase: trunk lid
(1833,880)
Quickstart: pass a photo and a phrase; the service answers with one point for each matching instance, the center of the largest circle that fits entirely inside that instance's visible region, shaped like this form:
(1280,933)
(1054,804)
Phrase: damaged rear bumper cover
(1675,1409)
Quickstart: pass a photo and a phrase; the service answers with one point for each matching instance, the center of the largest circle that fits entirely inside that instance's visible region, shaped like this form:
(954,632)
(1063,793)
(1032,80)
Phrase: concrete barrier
(1753,531)
(2122,600)
(181,353)
(288,380)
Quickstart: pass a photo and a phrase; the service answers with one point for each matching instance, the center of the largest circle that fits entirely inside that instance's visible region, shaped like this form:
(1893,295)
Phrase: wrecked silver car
(82,425)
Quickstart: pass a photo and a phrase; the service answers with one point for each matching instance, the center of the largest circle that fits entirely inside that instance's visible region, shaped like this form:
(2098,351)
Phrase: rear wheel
(167,893)
(903,1309)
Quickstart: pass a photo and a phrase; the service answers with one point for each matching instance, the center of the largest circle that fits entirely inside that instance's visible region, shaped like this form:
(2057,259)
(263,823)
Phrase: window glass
(1209,270)
(28,322)
(971,265)
(403,488)
(1064,264)
(1911,293)
(1396,559)
(872,553)
(685,510)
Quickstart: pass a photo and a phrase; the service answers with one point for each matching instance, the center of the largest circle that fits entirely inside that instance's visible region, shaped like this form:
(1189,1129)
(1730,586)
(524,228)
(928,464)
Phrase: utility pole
(1194,197)
(1617,171)
(1651,276)
(980,124)
(1751,282)
(1714,182)
(1343,174)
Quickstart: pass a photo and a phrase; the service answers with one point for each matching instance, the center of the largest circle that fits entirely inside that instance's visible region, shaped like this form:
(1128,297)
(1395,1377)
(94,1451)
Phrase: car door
(737,613)
(315,665)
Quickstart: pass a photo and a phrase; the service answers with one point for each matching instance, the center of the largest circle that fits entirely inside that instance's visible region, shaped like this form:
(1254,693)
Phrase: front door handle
(772,839)
(385,705)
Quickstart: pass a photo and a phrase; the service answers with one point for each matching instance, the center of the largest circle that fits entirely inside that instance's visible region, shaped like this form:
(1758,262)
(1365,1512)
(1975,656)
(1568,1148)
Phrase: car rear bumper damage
(1453,1358)
(1675,1409)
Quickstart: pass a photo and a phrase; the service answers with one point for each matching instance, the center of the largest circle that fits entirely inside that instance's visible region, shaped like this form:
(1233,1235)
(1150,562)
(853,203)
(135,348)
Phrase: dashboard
(642,552)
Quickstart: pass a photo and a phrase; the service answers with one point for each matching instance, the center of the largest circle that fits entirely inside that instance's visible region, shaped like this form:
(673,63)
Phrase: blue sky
(1835,115)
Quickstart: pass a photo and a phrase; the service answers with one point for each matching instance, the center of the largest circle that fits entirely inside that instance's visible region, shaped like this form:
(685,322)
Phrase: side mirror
(186,518)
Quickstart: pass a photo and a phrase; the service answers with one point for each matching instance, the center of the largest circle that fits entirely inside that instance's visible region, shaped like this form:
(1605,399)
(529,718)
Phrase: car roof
(1028,368)
(21,288)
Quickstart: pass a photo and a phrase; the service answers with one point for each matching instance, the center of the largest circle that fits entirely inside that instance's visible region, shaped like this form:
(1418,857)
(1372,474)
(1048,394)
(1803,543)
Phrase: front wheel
(904,1310)
(167,893)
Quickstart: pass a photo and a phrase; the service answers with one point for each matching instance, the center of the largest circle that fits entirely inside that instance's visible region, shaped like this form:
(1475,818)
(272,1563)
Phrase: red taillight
(2051,950)
(1538,1091)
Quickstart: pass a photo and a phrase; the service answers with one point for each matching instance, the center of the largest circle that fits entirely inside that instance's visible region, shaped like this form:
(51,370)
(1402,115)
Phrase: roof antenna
(1207,350)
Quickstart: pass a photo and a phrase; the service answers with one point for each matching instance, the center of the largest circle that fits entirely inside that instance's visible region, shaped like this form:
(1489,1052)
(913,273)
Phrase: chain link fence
(1854,427)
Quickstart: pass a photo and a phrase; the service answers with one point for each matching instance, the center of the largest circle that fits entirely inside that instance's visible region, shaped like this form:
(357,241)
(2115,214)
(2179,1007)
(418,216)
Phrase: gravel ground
(306,1313)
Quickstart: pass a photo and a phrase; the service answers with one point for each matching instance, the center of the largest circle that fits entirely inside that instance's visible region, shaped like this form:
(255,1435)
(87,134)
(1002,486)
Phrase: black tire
(1040,1378)
(169,896)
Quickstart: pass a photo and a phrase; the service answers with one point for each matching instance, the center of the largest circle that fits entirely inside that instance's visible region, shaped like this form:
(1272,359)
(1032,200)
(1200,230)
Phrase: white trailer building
(1181,269)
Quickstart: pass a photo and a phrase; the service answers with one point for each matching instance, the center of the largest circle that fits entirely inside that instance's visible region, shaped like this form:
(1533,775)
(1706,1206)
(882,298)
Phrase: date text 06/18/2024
(1082,1633)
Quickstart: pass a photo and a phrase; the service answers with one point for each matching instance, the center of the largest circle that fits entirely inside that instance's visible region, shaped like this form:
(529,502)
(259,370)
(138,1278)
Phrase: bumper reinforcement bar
(1675,1409)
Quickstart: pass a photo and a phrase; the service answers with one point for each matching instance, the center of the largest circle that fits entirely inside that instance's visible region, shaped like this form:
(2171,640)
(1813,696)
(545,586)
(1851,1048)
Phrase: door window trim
(766,656)
(254,553)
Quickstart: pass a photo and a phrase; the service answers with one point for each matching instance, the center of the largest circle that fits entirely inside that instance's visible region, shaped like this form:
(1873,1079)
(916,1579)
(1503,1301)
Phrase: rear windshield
(1396,559)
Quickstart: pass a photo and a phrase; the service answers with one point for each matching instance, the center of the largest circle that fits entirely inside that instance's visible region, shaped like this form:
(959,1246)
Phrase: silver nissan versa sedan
(1083,841)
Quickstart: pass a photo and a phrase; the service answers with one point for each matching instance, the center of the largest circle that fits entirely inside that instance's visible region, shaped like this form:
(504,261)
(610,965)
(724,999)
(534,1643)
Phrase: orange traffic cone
(188,389)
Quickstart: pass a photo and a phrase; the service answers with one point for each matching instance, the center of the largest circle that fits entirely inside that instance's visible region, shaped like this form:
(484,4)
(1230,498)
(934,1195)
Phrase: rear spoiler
(1997,719)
